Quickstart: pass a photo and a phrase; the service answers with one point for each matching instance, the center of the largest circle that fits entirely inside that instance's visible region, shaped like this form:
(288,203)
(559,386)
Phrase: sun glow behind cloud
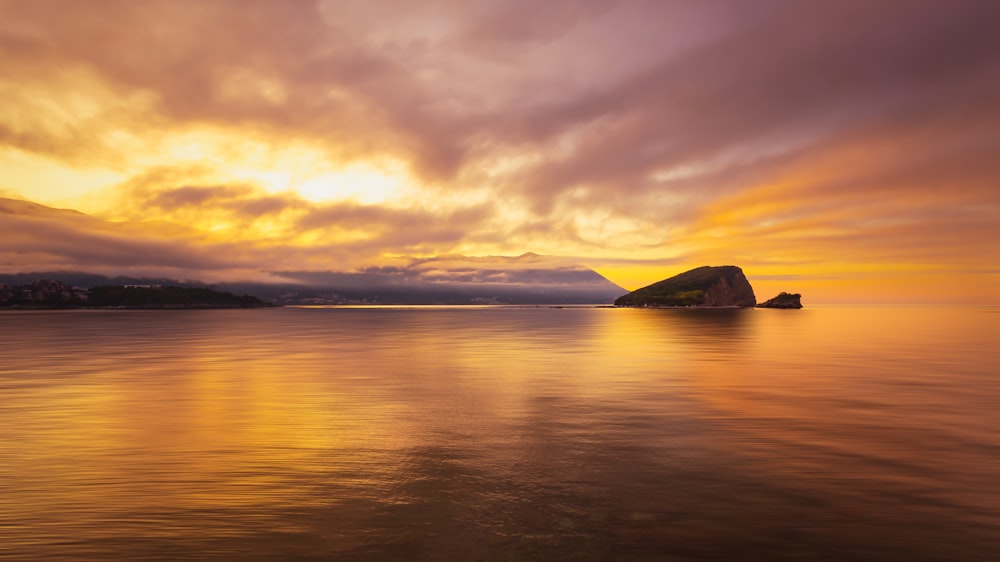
(297,167)
(362,182)
(639,138)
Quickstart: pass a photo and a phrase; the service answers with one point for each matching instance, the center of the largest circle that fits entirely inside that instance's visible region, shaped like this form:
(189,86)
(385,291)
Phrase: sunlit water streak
(500,434)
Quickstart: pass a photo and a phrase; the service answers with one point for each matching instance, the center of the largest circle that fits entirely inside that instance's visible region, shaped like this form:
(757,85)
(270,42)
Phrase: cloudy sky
(844,149)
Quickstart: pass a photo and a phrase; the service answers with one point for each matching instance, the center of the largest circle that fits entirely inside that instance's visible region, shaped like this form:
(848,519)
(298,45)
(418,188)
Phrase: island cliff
(704,286)
(783,300)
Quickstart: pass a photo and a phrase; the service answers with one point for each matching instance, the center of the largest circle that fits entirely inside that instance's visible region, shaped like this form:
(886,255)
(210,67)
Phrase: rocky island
(706,286)
(783,300)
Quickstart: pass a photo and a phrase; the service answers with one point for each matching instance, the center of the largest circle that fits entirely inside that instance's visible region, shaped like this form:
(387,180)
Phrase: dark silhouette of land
(706,286)
(529,287)
(49,293)
(783,300)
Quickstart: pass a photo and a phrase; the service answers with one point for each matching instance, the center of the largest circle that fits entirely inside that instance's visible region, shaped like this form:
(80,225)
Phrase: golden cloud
(635,136)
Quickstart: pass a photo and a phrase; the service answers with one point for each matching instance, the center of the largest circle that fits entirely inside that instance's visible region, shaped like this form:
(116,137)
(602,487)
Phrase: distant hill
(82,279)
(168,297)
(86,251)
(539,285)
(527,279)
(52,293)
(704,286)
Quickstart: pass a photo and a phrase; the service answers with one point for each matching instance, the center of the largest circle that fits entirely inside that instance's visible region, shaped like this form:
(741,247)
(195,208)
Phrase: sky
(844,149)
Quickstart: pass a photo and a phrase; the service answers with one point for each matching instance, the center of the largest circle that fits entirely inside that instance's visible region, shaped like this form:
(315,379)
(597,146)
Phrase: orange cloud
(839,140)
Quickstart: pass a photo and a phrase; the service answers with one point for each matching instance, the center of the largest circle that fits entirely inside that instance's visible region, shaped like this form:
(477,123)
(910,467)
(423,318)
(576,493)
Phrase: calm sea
(500,434)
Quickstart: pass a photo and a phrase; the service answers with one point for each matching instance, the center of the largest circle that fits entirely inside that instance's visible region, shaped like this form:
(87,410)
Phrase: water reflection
(499,433)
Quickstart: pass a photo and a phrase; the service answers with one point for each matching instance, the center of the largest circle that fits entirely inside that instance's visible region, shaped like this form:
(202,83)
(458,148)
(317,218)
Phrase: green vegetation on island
(706,286)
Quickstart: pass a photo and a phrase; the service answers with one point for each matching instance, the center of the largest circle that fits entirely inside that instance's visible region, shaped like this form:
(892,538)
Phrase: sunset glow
(843,150)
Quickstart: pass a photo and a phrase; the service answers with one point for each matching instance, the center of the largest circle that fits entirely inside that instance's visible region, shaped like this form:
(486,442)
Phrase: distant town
(44,292)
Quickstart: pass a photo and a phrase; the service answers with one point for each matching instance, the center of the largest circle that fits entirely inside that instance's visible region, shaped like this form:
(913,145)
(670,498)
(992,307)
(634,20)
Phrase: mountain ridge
(81,249)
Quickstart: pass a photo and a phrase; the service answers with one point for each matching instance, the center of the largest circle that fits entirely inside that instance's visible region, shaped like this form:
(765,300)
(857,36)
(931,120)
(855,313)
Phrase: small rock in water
(783,300)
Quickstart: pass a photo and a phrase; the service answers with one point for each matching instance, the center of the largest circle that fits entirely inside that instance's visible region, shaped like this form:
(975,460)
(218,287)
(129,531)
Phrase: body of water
(500,433)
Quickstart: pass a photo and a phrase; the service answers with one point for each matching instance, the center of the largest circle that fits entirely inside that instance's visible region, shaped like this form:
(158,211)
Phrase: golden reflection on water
(499,433)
